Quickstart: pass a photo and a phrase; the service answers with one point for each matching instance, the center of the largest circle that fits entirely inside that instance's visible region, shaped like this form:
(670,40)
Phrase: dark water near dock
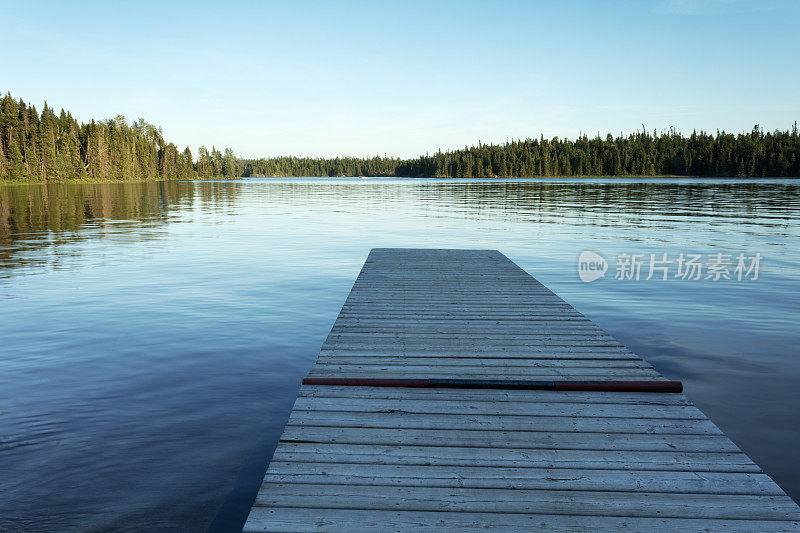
(153,335)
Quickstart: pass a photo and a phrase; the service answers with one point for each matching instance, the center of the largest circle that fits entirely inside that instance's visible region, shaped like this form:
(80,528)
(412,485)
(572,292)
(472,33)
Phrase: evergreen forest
(41,146)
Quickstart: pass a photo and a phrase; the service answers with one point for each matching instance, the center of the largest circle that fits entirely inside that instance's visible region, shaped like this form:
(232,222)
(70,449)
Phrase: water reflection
(51,215)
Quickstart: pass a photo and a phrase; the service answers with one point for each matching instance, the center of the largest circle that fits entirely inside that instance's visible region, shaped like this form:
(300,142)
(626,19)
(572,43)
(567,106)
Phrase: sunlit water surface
(153,335)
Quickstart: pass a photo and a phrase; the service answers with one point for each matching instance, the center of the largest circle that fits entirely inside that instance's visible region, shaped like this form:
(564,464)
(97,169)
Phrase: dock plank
(269,518)
(522,457)
(585,503)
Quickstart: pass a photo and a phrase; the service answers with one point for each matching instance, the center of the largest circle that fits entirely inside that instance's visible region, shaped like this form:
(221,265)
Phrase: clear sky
(405,78)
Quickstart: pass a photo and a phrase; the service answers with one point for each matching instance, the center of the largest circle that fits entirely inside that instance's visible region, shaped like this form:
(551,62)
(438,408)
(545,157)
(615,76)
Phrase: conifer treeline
(309,166)
(754,154)
(50,147)
(47,147)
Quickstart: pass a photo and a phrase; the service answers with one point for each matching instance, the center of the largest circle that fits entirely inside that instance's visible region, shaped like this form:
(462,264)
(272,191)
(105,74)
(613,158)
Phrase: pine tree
(205,168)
(31,150)
(3,165)
(16,163)
(47,144)
(186,171)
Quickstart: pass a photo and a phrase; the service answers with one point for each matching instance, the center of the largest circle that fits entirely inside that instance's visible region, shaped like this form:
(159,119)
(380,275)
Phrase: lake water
(153,335)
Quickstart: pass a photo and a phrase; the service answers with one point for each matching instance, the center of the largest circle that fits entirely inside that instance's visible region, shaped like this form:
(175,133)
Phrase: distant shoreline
(491,178)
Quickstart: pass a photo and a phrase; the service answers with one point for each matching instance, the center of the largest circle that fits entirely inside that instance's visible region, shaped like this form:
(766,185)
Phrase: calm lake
(153,335)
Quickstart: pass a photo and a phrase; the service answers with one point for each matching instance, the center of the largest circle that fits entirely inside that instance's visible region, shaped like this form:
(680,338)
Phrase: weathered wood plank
(349,520)
(505,330)
(487,406)
(430,337)
(505,323)
(477,351)
(515,457)
(510,439)
(553,374)
(494,395)
(584,503)
(528,372)
(529,353)
(454,314)
(502,423)
(479,362)
(523,478)
(443,342)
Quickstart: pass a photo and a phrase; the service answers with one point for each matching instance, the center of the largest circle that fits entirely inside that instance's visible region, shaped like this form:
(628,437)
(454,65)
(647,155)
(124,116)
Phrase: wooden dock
(439,455)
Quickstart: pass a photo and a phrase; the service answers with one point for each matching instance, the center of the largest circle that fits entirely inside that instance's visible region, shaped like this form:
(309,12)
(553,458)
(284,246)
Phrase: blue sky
(404,78)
